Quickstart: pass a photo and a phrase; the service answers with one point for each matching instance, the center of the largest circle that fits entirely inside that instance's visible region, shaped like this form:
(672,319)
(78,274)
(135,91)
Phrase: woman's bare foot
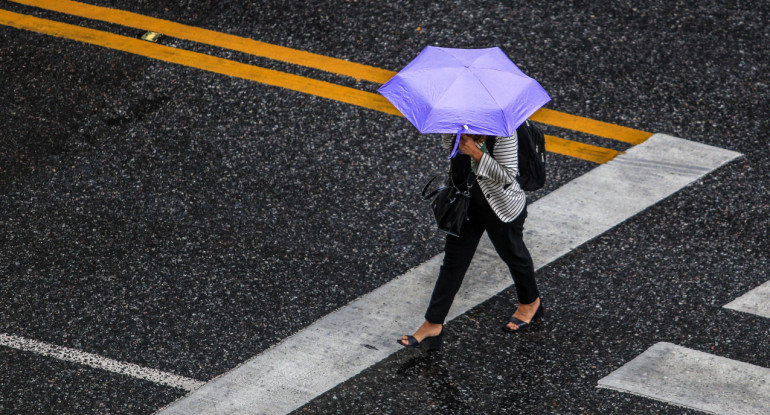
(524,312)
(426,330)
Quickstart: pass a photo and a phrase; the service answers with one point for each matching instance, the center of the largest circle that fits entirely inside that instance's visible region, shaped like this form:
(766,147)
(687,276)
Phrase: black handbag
(450,202)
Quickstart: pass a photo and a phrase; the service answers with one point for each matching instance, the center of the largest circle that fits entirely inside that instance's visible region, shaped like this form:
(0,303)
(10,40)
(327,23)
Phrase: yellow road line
(579,150)
(254,73)
(213,38)
(587,125)
(303,58)
(199,60)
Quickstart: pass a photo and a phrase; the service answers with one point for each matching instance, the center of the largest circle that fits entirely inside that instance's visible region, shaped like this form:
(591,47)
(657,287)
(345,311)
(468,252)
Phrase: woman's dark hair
(479,138)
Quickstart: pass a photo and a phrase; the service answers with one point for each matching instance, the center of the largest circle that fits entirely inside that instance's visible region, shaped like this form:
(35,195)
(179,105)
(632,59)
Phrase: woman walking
(498,206)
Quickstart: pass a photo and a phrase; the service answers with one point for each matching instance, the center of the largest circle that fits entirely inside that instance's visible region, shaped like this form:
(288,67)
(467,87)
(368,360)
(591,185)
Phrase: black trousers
(458,253)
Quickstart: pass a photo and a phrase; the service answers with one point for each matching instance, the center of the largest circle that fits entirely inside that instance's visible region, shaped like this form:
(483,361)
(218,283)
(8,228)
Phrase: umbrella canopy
(476,91)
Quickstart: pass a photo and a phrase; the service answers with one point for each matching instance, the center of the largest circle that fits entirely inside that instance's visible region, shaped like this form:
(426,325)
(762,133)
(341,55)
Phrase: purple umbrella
(475,91)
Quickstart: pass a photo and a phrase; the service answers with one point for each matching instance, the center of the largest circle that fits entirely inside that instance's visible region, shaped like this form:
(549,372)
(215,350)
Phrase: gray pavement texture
(186,221)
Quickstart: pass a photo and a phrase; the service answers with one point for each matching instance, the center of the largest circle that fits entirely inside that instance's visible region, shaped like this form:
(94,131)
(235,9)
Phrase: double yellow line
(276,78)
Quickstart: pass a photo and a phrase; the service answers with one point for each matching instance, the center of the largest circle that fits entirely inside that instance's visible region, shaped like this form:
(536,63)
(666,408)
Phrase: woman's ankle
(431,328)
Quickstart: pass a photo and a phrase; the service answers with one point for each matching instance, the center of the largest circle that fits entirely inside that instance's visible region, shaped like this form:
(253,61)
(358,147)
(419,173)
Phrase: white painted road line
(756,301)
(342,344)
(99,362)
(693,379)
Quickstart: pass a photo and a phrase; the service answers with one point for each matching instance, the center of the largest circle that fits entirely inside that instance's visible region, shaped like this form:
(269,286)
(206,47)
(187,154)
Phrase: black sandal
(523,325)
(432,343)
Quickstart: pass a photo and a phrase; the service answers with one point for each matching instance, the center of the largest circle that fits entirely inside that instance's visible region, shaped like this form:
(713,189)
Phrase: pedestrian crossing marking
(694,379)
(99,362)
(756,301)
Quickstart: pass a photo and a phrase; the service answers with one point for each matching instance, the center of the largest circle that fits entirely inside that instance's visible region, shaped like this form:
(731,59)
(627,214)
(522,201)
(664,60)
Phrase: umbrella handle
(457,142)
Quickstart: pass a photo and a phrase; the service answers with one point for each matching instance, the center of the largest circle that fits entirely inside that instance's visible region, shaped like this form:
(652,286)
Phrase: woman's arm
(504,167)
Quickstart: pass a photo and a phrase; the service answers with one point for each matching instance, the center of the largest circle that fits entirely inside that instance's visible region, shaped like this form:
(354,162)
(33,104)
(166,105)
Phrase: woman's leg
(509,244)
(458,253)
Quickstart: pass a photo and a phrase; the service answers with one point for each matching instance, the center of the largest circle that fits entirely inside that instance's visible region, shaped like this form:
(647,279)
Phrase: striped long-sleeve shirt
(497,177)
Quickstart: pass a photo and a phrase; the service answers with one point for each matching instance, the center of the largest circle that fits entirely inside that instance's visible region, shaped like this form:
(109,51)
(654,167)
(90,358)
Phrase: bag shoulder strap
(433,193)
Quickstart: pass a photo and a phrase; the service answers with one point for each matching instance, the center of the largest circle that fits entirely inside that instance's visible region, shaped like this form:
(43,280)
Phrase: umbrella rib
(443,94)
(452,56)
(502,111)
(495,69)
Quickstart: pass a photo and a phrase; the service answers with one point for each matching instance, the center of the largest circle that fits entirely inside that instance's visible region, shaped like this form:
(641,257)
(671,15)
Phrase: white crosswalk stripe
(698,380)
(756,301)
(694,379)
(99,362)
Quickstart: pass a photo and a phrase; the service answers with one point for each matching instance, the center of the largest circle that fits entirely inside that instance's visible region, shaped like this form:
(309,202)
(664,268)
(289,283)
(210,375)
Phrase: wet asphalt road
(186,221)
